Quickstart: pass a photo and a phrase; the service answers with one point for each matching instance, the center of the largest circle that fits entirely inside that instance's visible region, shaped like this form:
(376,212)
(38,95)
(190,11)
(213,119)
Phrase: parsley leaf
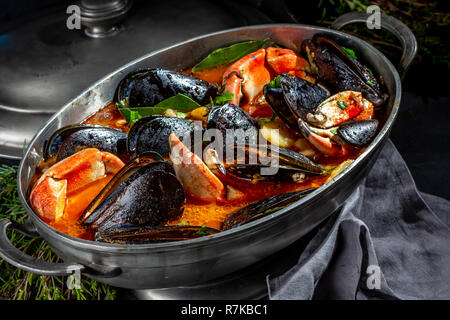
(262,121)
(328,171)
(275,83)
(342,104)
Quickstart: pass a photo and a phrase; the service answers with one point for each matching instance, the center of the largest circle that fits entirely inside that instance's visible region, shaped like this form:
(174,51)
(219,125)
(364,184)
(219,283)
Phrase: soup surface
(198,212)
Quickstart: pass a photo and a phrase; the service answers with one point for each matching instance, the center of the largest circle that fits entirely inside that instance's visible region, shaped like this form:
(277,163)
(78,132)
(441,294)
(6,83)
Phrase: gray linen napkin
(389,241)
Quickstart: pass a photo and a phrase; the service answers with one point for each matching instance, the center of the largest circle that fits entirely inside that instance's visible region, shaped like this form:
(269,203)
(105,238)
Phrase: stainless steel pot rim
(241,230)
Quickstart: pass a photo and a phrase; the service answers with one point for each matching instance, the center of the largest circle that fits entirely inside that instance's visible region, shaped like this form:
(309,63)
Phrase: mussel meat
(339,108)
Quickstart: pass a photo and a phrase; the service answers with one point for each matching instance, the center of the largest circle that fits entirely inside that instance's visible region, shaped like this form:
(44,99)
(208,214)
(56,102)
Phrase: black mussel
(231,119)
(71,139)
(143,193)
(267,164)
(275,99)
(358,133)
(361,70)
(300,95)
(265,154)
(254,173)
(148,87)
(294,99)
(142,235)
(262,208)
(340,71)
(152,134)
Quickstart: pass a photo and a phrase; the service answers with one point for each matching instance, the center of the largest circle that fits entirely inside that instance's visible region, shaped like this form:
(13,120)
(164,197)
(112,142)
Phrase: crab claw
(247,76)
(322,140)
(71,175)
(197,180)
(285,60)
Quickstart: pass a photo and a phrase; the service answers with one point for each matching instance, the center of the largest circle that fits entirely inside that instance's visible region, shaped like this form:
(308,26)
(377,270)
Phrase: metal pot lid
(44,64)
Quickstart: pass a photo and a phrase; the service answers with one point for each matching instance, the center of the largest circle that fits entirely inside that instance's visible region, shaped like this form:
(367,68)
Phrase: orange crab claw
(247,76)
(322,143)
(71,175)
(197,180)
(285,60)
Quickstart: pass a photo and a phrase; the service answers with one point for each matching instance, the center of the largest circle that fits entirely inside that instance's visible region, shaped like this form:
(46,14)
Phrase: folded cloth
(389,241)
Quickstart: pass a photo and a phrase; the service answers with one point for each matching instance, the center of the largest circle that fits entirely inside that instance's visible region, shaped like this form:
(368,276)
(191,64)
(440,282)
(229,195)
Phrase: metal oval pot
(199,260)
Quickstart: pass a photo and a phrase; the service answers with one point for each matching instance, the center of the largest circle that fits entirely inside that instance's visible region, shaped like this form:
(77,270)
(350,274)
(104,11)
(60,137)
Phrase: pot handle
(28,263)
(398,28)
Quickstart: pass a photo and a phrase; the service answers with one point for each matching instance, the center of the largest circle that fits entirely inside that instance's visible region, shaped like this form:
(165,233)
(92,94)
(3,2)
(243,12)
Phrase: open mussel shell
(230,118)
(254,173)
(267,164)
(358,133)
(294,99)
(284,157)
(301,96)
(148,87)
(356,66)
(262,208)
(341,72)
(143,193)
(142,235)
(72,139)
(152,134)
(275,99)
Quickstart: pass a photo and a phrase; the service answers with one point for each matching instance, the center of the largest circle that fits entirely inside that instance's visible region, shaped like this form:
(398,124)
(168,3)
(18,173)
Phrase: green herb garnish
(333,131)
(350,52)
(328,171)
(203,231)
(275,83)
(370,83)
(180,103)
(223,98)
(229,54)
(262,121)
(122,103)
(342,104)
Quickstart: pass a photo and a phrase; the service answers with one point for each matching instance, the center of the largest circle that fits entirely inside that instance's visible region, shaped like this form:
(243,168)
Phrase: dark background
(422,130)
